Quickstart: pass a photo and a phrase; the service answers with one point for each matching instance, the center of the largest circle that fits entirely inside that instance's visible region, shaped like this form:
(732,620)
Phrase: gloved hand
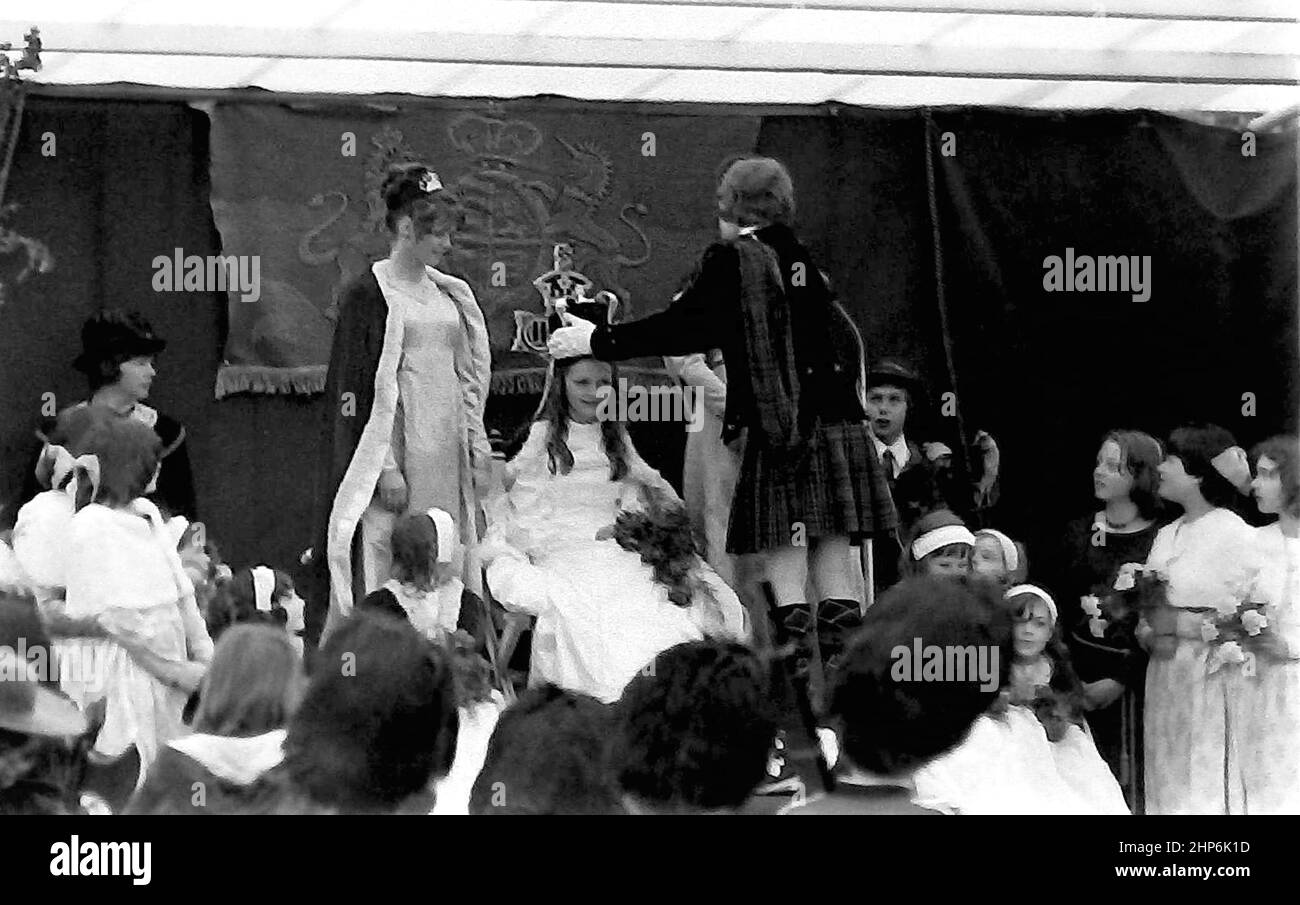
(573,339)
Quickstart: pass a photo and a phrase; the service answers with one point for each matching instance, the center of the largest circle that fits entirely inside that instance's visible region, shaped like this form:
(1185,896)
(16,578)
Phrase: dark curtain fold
(1049,372)
(128,182)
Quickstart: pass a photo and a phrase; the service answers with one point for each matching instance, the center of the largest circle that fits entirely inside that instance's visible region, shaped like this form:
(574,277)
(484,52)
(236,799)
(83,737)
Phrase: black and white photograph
(652,407)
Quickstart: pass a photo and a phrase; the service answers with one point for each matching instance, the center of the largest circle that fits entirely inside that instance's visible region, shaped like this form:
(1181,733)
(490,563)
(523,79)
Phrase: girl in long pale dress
(1193,745)
(122,570)
(42,525)
(407,386)
(550,553)
(1271,730)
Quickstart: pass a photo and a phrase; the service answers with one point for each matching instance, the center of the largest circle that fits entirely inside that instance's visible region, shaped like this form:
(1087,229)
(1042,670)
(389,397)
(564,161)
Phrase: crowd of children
(185,713)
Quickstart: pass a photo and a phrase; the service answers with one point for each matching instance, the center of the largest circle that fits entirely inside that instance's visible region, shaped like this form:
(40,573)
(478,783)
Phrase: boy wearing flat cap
(921,477)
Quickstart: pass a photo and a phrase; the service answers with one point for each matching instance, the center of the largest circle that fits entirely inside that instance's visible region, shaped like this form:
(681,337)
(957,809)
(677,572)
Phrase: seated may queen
(595,544)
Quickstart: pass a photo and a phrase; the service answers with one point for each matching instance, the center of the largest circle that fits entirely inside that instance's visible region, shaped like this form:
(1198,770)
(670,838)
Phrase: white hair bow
(445,528)
(263,587)
(65,464)
(1233,464)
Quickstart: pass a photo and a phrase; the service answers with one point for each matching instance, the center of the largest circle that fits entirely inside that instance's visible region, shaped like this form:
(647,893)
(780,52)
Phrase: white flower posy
(1253,621)
(1126,578)
(1231,652)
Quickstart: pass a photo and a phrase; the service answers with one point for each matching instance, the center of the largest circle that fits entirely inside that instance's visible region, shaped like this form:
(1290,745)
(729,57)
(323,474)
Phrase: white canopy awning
(1177,55)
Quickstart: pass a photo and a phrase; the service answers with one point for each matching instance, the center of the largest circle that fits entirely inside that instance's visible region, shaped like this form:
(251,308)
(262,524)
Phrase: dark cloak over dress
(350,387)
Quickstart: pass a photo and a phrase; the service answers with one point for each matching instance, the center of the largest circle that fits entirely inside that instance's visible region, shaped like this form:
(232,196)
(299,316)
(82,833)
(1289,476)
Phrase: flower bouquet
(1054,709)
(1116,617)
(1236,620)
(661,535)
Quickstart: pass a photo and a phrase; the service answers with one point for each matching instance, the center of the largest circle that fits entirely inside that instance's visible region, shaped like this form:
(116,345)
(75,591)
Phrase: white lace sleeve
(514,516)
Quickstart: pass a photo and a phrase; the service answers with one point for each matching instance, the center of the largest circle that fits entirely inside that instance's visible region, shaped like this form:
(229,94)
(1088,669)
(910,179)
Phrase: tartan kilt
(836,487)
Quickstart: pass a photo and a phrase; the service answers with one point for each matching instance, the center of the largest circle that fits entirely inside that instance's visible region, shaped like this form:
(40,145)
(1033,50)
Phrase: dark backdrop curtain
(1049,372)
(1046,373)
(129,182)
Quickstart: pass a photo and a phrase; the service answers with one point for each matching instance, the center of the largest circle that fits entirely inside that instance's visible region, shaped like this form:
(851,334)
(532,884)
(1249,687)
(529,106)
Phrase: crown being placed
(562,289)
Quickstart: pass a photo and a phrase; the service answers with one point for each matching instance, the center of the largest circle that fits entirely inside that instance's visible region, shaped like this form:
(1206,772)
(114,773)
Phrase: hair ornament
(445,527)
(66,465)
(1234,465)
(941,537)
(1035,591)
(263,587)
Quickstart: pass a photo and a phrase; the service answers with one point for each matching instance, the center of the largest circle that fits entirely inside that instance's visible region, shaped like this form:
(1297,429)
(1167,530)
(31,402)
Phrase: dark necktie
(888,461)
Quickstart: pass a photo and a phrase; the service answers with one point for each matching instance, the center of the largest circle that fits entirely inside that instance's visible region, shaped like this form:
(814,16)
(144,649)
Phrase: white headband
(445,528)
(1009,554)
(263,587)
(1038,592)
(930,541)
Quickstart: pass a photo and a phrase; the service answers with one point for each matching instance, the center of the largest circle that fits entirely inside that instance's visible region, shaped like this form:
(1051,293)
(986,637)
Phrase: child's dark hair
(246,689)
(415,548)
(891,726)
(76,430)
(378,721)
(547,756)
(235,602)
(555,412)
(128,453)
(693,730)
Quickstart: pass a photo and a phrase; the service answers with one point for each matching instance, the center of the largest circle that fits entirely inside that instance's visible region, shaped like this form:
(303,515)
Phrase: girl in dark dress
(810,482)
(1094,548)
